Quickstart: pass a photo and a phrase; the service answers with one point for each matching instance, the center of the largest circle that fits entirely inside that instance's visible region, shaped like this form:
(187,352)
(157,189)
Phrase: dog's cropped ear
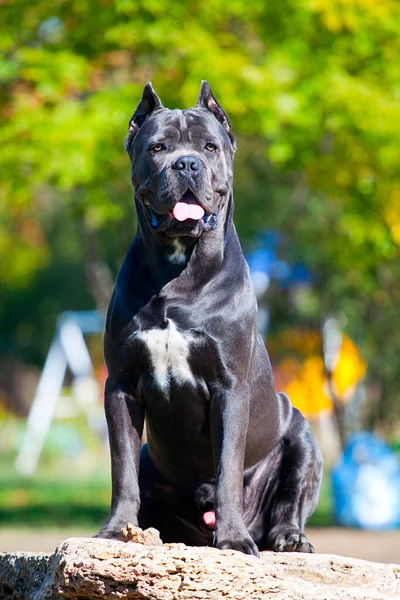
(207,100)
(149,102)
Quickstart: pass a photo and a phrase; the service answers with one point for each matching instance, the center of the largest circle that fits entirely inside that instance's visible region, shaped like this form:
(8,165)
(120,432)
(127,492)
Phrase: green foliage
(311,88)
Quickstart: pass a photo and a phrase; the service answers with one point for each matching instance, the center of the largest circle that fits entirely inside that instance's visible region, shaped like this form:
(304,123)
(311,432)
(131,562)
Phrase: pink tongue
(183,211)
(209,518)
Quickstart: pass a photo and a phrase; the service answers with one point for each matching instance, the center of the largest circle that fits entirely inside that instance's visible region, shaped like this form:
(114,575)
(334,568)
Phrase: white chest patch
(169,351)
(178,256)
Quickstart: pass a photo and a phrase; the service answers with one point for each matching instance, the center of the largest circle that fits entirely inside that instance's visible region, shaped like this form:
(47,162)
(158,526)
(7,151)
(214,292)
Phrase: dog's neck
(164,258)
(151,267)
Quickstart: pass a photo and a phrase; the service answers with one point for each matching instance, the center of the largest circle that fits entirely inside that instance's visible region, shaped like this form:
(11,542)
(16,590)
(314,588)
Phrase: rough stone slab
(90,569)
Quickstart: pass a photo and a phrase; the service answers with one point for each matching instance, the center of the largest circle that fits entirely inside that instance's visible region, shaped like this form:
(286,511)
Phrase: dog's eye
(211,147)
(157,148)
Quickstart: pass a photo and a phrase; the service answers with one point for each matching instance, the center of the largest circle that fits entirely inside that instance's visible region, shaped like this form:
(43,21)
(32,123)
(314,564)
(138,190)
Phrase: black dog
(229,461)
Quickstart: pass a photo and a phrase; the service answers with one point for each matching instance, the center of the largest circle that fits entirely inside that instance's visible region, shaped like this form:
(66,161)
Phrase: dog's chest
(169,352)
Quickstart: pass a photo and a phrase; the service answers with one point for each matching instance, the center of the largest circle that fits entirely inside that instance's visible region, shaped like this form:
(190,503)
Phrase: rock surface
(90,569)
(150,536)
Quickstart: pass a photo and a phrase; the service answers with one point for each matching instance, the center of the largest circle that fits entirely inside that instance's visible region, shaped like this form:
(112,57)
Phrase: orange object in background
(306,383)
(307,389)
(349,369)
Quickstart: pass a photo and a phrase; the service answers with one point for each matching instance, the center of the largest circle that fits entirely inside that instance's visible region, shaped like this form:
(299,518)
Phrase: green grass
(54,504)
(54,497)
(71,486)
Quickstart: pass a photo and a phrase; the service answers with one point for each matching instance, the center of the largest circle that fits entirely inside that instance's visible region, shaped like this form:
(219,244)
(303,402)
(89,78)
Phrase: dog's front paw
(289,539)
(114,530)
(109,533)
(242,543)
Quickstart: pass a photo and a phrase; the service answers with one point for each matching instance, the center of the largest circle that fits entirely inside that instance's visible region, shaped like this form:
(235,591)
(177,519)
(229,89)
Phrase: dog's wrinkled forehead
(181,128)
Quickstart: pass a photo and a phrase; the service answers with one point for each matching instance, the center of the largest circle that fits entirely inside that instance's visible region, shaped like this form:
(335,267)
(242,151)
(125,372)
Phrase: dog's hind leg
(296,489)
(284,490)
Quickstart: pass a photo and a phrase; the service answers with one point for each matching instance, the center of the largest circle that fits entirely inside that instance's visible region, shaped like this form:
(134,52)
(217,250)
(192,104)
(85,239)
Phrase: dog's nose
(187,164)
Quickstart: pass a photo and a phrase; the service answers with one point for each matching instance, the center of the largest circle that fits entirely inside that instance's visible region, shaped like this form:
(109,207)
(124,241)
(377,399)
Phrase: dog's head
(181,163)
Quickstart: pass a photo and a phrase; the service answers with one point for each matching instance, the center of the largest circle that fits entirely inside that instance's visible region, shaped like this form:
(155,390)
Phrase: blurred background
(312,90)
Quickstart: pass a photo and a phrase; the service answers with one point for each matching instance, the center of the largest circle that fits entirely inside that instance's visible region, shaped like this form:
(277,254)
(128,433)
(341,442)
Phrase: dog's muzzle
(187,217)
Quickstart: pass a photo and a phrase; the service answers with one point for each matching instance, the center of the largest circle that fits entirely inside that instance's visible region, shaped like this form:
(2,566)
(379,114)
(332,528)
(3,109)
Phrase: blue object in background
(366,484)
(264,259)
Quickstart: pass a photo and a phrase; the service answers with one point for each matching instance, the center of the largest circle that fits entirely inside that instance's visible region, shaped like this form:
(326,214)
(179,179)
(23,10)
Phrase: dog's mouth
(187,208)
(187,217)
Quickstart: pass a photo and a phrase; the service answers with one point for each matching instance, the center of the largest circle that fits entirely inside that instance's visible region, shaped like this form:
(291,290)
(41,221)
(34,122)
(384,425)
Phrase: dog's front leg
(229,422)
(125,419)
